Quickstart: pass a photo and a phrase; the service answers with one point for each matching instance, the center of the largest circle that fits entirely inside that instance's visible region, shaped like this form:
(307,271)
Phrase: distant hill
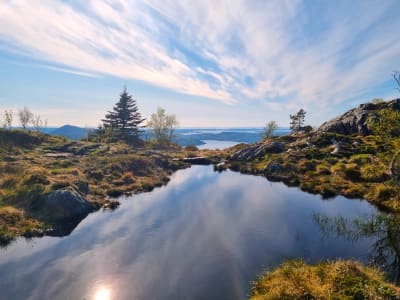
(184,136)
(71,132)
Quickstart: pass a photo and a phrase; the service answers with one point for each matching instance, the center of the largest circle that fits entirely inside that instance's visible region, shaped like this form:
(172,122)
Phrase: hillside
(355,155)
(71,132)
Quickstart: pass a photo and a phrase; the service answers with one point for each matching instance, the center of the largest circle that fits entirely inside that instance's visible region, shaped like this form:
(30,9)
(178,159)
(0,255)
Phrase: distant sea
(210,138)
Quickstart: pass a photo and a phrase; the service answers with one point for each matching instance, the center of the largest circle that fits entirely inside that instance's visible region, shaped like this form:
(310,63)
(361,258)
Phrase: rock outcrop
(258,150)
(355,120)
(66,204)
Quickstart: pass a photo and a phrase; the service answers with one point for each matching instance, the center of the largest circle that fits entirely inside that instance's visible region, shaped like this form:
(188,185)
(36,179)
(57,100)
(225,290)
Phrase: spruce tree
(125,120)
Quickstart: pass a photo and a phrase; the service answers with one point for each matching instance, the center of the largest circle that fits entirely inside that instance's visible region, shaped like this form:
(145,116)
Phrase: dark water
(204,236)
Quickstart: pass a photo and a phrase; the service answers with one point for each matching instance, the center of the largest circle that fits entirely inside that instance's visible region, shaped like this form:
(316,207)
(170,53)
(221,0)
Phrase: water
(214,144)
(205,235)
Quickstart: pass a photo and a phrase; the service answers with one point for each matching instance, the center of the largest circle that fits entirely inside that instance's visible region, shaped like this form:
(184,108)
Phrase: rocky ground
(49,184)
(342,157)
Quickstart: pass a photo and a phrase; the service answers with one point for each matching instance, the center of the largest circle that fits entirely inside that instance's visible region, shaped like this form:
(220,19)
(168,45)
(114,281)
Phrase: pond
(205,235)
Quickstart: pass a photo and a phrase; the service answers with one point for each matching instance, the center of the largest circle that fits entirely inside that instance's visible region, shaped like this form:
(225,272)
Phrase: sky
(213,63)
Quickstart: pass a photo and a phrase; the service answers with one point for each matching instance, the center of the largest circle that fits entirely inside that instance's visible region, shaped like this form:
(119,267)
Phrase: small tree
(270,129)
(125,120)
(25,116)
(38,123)
(297,120)
(8,119)
(163,126)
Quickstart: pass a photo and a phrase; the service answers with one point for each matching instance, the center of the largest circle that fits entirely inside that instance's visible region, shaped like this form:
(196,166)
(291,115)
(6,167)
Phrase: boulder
(354,121)
(66,204)
(258,150)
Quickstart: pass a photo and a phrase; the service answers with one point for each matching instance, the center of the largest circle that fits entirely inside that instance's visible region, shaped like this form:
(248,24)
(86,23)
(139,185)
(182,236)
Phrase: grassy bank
(32,165)
(359,168)
(331,280)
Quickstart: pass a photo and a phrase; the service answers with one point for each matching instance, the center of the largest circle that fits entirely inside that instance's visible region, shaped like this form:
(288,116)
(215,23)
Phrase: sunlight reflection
(103,294)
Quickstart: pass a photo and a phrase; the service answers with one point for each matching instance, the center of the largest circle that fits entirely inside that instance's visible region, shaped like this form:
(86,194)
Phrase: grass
(99,171)
(359,170)
(295,279)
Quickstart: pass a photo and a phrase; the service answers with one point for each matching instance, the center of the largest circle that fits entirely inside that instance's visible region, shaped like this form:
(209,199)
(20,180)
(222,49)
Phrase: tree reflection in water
(384,229)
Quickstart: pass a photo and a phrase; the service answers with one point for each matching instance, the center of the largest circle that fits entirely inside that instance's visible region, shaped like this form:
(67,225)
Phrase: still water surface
(205,235)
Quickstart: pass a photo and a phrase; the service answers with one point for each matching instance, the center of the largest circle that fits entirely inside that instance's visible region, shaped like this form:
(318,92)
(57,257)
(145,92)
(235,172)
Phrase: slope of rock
(355,120)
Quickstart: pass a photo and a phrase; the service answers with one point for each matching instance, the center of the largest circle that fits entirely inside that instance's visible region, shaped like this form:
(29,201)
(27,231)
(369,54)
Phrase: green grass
(295,279)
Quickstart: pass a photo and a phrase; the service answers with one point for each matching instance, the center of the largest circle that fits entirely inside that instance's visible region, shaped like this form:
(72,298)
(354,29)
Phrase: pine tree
(297,120)
(125,120)
(293,122)
(301,114)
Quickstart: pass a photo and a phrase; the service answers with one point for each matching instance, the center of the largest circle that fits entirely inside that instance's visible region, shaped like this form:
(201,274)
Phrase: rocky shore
(341,157)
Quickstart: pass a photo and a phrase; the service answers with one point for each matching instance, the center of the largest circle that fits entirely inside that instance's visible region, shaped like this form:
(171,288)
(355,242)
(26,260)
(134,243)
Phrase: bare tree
(270,129)
(396,77)
(8,119)
(163,126)
(37,122)
(25,116)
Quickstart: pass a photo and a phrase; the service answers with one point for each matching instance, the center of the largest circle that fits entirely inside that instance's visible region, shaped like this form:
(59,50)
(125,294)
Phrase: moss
(295,279)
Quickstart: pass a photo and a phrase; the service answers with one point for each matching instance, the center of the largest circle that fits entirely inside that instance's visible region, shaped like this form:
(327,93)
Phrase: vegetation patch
(295,279)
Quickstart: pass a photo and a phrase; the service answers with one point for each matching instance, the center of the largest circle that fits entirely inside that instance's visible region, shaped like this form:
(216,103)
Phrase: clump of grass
(13,222)
(36,178)
(191,148)
(295,279)
(374,172)
(8,181)
(385,192)
(352,173)
(128,178)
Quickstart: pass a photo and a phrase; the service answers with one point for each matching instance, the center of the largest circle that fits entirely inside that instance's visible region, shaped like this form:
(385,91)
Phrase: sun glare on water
(103,294)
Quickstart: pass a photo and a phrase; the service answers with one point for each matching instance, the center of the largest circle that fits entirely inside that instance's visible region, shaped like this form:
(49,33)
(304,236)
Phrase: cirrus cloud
(286,53)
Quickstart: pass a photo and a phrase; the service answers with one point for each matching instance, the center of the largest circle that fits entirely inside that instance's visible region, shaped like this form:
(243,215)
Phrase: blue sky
(212,63)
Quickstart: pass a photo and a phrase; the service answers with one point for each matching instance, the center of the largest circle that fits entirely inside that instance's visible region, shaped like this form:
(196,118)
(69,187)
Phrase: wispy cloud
(284,53)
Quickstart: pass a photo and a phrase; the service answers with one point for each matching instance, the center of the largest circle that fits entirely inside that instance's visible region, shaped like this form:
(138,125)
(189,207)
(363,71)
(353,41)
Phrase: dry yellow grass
(295,279)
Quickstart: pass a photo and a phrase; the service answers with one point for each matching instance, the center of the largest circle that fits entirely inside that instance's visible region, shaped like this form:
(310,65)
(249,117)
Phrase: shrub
(385,192)
(191,148)
(37,178)
(328,192)
(352,174)
(128,178)
(114,193)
